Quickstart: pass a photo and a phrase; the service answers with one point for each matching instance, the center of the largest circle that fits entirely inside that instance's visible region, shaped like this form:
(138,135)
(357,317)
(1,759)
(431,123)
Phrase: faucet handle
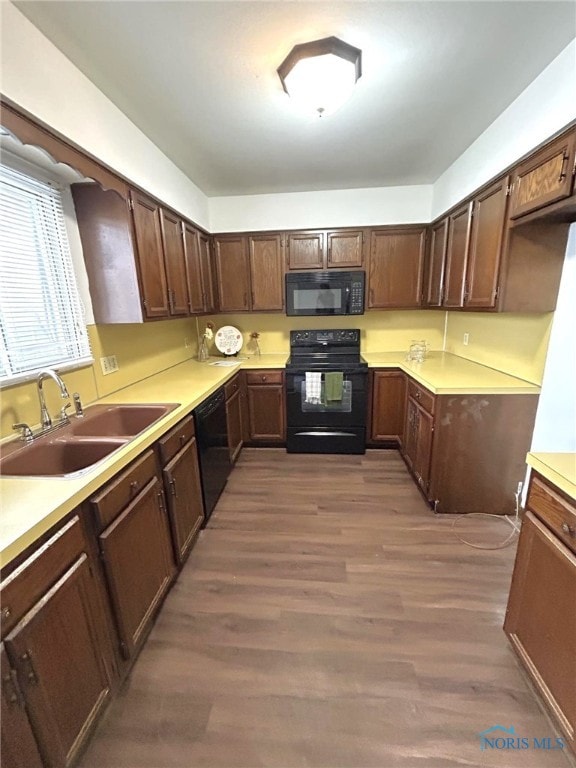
(64,419)
(26,433)
(78,404)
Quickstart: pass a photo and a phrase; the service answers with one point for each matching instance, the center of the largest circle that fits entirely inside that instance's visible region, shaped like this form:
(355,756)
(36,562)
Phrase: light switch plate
(108,364)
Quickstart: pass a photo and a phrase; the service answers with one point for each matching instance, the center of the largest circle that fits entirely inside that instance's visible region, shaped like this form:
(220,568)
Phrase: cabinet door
(457,256)
(207,272)
(488,219)
(184,498)
(436,262)
(388,405)
(396,266)
(56,654)
(545,177)
(18,747)
(410,432)
(266,272)
(193,262)
(266,412)
(146,217)
(305,250)
(344,249)
(175,263)
(541,620)
(232,269)
(234,424)
(423,455)
(138,565)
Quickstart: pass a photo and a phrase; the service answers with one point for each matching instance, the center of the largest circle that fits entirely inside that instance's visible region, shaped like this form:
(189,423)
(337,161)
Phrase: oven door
(315,426)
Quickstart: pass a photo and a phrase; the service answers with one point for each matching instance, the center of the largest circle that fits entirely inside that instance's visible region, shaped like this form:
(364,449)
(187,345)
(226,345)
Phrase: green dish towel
(333,384)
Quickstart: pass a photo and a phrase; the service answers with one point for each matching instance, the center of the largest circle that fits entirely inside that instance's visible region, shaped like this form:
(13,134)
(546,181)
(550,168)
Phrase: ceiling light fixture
(321,75)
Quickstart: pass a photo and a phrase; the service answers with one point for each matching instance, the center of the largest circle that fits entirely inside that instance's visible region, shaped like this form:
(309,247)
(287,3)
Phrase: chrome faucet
(48,373)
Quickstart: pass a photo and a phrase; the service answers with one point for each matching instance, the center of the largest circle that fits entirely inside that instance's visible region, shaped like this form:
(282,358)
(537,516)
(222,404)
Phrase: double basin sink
(82,443)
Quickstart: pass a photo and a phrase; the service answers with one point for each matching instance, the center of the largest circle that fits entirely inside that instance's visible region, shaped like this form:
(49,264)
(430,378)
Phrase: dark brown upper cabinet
(459,223)
(232,272)
(396,267)
(435,264)
(135,256)
(266,255)
(250,272)
(199,277)
(486,239)
(175,263)
(325,249)
(466,250)
(545,177)
(148,236)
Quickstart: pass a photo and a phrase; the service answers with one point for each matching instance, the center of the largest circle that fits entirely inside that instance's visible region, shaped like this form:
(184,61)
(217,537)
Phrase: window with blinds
(41,318)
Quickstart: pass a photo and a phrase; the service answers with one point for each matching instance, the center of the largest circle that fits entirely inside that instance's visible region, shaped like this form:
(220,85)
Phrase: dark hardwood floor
(327,618)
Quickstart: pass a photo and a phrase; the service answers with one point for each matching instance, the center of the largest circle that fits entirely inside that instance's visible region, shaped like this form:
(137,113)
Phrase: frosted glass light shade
(320,76)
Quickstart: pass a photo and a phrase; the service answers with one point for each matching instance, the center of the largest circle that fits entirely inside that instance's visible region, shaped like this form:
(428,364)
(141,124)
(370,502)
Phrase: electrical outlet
(108,364)
(466,339)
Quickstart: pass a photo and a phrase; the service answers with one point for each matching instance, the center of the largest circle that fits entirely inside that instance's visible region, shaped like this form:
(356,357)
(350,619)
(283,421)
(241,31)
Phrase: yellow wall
(141,350)
(514,344)
(381,331)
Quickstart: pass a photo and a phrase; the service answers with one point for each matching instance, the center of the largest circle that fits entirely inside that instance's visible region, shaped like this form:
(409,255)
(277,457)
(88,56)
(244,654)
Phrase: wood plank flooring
(327,618)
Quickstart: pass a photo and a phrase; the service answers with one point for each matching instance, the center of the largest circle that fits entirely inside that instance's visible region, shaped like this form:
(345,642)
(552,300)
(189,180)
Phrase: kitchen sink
(118,420)
(59,456)
(77,446)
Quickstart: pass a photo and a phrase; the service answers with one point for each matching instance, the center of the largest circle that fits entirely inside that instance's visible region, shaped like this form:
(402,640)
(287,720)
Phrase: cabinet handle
(563,167)
(133,487)
(568,529)
(173,486)
(12,689)
(30,672)
(161,502)
(418,395)
(171,301)
(263,378)
(182,439)
(6,612)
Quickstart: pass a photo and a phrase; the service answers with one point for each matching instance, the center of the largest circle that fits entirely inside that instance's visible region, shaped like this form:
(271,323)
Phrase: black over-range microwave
(325,293)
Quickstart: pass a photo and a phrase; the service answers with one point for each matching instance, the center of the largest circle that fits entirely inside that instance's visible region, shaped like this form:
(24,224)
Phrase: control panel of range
(343,336)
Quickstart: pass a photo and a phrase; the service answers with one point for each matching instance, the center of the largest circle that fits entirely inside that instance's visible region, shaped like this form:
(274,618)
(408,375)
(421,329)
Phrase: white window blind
(41,318)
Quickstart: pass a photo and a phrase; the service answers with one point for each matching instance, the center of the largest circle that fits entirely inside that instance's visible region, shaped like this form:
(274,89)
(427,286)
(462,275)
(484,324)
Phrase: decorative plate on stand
(228,340)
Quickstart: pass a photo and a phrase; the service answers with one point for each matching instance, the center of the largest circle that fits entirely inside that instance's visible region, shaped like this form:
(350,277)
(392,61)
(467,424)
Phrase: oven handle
(331,433)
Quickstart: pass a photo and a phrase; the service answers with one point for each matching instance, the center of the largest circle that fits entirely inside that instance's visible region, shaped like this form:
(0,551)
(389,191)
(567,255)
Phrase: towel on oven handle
(313,387)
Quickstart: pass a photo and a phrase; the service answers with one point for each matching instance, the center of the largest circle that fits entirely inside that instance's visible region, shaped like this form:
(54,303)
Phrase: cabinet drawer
(264,377)
(232,386)
(31,580)
(120,491)
(558,513)
(426,399)
(173,441)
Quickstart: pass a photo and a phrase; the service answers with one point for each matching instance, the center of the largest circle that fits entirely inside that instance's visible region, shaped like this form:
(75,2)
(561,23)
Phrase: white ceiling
(199,78)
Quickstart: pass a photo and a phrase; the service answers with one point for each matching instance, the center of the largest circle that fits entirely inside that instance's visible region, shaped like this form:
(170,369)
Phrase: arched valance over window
(29,131)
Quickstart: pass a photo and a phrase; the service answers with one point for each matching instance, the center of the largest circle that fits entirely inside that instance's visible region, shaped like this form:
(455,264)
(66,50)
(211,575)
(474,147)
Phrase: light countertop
(558,468)
(30,506)
(447,374)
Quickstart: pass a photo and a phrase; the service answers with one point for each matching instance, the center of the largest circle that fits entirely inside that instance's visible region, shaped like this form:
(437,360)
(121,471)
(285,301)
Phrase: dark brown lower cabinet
(178,457)
(18,746)
(388,406)
(266,408)
(541,615)
(58,665)
(138,563)
(184,497)
(467,452)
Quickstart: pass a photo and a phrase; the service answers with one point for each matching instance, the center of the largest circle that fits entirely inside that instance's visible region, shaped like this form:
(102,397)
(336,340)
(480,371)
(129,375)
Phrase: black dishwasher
(213,453)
